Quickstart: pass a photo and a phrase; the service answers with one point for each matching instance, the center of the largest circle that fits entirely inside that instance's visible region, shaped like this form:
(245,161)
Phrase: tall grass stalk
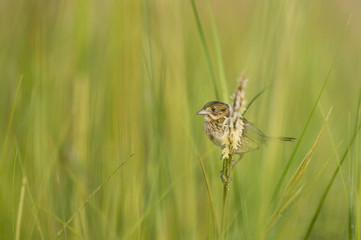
(358,208)
(33,205)
(255,98)
(222,75)
(288,165)
(60,221)
(77,212)
(10,123)
(335,150)
(209,197)
(20,209)
(352,225)
(352,166)
(286,198)
(231,141)
(152,207)
(323,198)
(304,195)
(227,178)
(205,48)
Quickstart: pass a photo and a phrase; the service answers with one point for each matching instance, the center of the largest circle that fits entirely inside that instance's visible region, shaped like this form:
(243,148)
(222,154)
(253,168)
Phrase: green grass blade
(288,165)
(20,209)
(77,212)
(50,214)
(351,211)
(11,120)
(152,207)
(30,198)
(358,214)
(206,51)
(287,199)
(255,98)
(323,198)
(305,193)
(209,196)
(222,75)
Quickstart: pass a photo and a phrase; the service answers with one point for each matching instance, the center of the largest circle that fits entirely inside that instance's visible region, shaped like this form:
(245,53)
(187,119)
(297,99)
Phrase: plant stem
(210,198)
(226,178)
(20,211)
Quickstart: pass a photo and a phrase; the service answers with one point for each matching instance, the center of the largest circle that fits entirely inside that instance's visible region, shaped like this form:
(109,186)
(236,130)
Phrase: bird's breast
(214,131)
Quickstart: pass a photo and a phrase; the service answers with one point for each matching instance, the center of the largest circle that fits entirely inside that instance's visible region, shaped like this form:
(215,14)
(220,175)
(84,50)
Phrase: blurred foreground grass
(105,79)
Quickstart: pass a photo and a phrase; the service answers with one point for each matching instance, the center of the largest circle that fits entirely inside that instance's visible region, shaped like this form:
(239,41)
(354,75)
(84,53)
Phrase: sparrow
(216,113)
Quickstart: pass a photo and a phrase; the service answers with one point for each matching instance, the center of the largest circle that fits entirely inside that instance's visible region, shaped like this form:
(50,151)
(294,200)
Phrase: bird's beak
(202,112)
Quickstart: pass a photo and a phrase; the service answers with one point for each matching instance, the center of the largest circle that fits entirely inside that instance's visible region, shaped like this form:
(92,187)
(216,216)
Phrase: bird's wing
(252,137)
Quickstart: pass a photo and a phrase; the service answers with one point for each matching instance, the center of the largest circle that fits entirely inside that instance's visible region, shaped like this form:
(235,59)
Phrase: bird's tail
(280,139)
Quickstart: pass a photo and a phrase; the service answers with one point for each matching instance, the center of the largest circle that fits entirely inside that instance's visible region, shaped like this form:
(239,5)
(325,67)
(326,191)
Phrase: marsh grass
(10,123)
(20,210)
(323,198)
(210,199)
(285,171)
(231,141)
(86,202)
(287,198)
(105,79)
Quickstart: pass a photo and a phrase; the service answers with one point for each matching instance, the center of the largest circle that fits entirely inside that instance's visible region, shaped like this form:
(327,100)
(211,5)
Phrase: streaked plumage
(216,113)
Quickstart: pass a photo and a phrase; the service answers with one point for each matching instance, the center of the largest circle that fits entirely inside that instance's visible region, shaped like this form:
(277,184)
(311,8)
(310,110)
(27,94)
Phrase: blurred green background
(105,79)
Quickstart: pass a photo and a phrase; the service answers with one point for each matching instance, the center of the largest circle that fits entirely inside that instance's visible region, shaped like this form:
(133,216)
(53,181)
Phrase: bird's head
(214,111)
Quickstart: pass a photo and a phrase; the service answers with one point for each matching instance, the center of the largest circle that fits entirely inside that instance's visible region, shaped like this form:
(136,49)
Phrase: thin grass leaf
(20,210)
(13,191)
(71,229)
(302,167)
(30,197)
(351,165)
(209,197)
(242,210)
(77,212)
(205,47)
(254,98)
(152,207)
(288,165)
(352,219)
(305,193)
(10,121)
(276,215)
(323,198)
(358,216)
(286,200)
(335,150)
(222,75)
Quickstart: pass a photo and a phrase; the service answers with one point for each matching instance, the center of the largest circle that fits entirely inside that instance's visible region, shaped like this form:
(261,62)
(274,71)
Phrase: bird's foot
(235,162)
(224,179)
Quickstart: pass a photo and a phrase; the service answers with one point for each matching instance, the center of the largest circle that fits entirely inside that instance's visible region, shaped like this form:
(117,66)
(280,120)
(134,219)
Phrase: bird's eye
(213,109)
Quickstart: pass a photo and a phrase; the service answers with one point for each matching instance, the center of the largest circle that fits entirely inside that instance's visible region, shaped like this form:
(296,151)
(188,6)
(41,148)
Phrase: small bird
(215,114)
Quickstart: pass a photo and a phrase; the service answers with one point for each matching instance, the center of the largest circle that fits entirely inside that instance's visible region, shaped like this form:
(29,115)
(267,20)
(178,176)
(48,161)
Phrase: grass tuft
(77,212)
(288,165)
(286,198)
(331,181)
